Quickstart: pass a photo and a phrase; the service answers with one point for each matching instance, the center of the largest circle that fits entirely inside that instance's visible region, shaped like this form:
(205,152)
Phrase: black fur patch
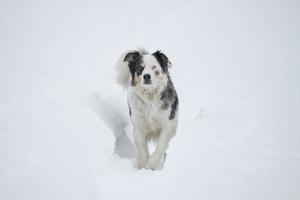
(129,110)
(162,60)
(169,98)
(174,108)
(134,59)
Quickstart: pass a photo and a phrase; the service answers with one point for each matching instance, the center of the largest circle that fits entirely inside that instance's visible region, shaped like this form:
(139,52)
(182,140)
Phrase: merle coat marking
(152,102)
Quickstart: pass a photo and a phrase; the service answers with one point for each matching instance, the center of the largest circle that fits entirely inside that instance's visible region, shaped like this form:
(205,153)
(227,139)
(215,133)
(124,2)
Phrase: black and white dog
(152,101)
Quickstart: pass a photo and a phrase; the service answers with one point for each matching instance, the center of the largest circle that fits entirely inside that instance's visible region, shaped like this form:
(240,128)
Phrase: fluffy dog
(152,102)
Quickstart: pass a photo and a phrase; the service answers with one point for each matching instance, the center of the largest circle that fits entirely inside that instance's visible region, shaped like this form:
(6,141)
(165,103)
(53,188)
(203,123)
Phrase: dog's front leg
(141,147)
(162,145)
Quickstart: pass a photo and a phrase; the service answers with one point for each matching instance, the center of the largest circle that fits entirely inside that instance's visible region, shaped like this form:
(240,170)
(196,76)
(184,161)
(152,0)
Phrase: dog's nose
(147,77)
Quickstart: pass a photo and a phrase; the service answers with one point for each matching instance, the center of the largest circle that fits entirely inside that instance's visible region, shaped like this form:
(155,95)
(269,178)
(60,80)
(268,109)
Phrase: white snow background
(64,123)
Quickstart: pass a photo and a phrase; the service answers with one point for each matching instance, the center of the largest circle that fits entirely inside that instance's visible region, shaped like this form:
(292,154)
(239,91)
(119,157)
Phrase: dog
(152,101)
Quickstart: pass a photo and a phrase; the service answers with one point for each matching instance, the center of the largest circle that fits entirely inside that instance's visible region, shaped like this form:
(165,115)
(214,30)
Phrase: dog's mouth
(147,82)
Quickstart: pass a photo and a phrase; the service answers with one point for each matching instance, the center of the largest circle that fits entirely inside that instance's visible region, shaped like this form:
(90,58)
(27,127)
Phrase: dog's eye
(153,67)
(140,67)
(139,70)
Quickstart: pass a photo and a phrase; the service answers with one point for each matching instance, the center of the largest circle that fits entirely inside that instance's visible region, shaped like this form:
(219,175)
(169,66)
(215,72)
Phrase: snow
(65,132)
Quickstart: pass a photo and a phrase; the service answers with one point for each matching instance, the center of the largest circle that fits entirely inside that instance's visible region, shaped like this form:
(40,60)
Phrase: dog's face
(147,70)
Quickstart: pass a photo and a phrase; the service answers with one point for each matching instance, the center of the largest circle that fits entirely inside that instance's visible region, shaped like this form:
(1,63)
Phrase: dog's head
(147,70)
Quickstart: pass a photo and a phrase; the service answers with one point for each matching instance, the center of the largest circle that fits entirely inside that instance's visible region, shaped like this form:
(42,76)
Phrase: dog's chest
(147,111)
(152,111)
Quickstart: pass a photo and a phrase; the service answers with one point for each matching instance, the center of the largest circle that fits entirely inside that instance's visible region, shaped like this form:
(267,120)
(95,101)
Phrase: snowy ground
(63,119)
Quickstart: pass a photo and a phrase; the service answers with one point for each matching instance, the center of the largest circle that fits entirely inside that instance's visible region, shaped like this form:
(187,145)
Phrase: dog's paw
(153,163)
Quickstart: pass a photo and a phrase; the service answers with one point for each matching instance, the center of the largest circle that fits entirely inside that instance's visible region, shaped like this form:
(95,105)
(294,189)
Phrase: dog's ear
(131,56)
(163,60)
(125,67)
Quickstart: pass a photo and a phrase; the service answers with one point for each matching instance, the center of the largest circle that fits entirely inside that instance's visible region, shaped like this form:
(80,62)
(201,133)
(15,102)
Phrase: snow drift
(64,124)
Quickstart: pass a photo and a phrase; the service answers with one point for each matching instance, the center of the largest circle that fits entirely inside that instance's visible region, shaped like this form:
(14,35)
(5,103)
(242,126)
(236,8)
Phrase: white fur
(149,120)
